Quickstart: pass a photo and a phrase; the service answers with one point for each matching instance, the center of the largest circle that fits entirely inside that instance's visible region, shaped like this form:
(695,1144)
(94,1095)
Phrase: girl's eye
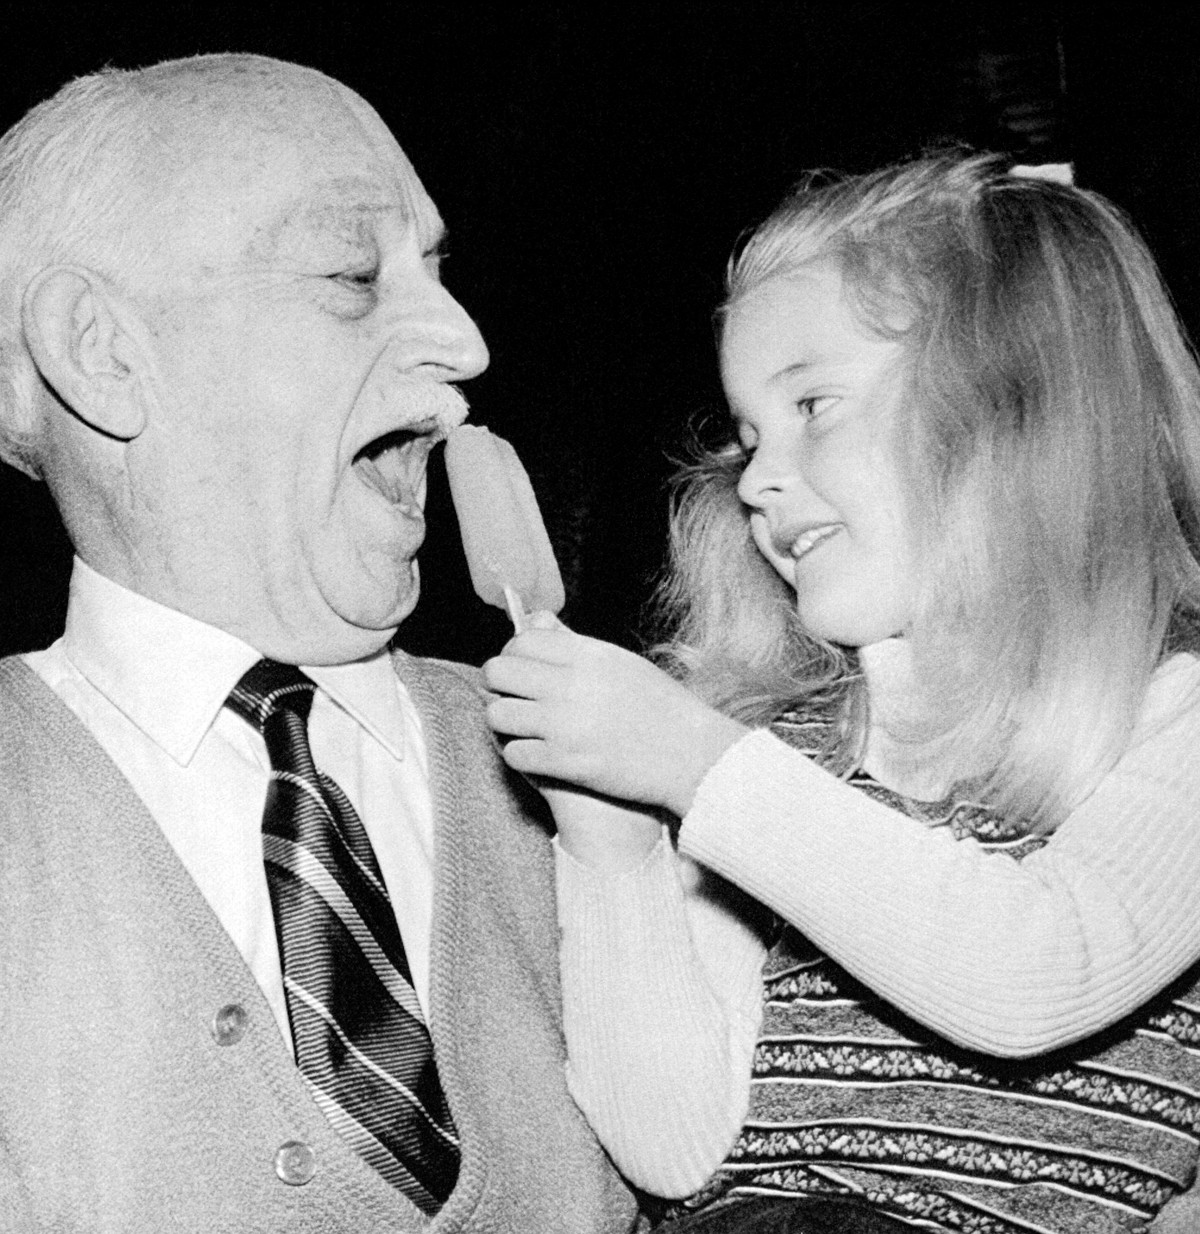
(810,408)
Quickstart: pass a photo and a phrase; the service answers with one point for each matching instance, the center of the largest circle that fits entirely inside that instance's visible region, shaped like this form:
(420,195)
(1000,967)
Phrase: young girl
(933,699)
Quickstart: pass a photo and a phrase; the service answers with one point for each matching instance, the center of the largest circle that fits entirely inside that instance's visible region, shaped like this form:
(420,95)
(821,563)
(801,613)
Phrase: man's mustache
(396,399)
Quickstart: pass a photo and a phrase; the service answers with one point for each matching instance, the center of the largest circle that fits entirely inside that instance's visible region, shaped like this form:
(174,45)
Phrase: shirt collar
(369,692)
(170,674)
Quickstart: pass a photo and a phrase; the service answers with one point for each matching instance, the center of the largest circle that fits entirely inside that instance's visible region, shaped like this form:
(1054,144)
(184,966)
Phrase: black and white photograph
(601,627)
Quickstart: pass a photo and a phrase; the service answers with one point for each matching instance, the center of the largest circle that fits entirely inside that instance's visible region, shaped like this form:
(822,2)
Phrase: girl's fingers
(528,756)
(548,644)
(514,717)
(513,674)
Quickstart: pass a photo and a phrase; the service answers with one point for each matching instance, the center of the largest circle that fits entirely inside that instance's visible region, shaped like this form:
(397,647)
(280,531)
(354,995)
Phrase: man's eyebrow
(331,212)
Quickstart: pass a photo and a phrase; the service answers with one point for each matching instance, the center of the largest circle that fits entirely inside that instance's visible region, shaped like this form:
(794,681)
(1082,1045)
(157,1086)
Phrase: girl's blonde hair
(1051,449)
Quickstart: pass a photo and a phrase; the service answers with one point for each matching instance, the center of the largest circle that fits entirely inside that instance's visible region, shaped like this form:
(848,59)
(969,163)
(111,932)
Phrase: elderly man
(277,947)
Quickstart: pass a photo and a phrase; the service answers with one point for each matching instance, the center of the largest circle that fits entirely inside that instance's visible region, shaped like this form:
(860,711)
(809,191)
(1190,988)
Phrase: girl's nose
(762,476)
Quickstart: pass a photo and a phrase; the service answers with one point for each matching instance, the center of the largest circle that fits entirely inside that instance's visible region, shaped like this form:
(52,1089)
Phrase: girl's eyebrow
(790,370)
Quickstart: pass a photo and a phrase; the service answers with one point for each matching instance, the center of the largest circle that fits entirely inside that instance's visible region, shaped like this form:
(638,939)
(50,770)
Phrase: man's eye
(364,279)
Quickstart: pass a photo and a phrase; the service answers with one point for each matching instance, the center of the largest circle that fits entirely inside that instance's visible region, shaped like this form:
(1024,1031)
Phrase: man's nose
(445,343)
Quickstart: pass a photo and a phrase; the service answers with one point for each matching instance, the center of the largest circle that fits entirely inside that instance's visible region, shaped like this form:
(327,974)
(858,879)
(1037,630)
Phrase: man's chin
(338,611)
(364,618)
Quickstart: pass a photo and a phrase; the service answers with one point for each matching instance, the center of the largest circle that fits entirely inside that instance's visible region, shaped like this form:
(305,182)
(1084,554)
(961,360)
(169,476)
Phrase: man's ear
(74,331)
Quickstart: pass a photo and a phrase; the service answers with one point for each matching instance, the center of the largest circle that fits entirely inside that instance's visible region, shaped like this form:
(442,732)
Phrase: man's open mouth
(394,464)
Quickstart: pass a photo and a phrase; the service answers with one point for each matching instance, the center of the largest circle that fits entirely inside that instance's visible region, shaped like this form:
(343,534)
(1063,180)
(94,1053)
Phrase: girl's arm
(660,963)
(1008,957)
(661,1000)
(1003,956)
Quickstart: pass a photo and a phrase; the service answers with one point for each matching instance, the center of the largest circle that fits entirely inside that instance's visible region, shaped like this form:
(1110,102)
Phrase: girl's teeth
(810,539)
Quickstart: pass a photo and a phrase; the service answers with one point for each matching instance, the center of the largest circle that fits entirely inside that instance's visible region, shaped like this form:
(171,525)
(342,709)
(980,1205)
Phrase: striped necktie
(360,1037)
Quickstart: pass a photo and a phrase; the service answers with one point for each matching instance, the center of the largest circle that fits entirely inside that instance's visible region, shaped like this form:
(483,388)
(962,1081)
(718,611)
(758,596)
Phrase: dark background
(596,166)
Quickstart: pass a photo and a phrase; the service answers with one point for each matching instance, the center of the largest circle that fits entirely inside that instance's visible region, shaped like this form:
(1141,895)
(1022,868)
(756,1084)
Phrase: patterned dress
(849,1096)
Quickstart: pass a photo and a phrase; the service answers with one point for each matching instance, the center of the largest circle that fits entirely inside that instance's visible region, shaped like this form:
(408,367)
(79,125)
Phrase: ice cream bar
(512,564)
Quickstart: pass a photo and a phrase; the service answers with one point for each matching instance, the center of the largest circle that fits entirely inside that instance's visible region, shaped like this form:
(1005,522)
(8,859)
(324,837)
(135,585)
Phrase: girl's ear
(74,332)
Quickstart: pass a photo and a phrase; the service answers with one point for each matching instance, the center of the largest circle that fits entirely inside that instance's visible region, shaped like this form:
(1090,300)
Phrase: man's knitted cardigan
(145,1085)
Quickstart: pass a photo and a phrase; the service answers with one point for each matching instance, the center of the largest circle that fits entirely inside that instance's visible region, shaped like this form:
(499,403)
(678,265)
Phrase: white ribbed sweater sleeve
(1006,957)
(661,1002)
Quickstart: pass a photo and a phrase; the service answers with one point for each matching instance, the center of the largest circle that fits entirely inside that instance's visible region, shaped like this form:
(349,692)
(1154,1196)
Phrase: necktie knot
(270,687)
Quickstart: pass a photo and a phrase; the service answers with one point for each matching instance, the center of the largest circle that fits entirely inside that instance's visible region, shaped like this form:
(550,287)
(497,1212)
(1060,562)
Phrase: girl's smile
(808,540)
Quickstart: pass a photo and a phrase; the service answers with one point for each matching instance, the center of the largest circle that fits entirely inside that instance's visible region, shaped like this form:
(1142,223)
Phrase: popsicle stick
(516,610)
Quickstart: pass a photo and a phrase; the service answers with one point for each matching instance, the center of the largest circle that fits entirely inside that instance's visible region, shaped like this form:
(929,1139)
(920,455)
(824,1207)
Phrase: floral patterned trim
(810,984)
(848,1062)
(897,1196)
(931,1209)
(969,1157)
(1179,1022)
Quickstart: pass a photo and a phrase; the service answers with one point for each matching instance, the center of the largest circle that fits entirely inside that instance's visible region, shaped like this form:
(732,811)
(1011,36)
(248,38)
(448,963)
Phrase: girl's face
(816,399)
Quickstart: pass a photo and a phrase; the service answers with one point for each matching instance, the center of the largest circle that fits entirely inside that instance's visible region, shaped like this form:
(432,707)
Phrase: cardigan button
(230,1023)
(295,1163)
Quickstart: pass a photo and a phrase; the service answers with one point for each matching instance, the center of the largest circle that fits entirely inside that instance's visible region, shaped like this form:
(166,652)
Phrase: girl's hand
(592,714)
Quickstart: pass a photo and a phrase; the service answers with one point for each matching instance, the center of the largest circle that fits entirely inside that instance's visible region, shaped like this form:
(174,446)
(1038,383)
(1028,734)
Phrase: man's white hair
(79,178)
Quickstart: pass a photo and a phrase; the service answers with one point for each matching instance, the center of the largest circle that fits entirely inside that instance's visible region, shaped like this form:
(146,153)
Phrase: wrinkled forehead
(250,175)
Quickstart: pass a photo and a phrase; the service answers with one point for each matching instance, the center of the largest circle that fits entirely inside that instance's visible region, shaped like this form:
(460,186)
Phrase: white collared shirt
(150,684)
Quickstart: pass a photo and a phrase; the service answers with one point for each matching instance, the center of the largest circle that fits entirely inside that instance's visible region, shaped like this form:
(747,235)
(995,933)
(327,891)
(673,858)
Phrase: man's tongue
(390,467)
